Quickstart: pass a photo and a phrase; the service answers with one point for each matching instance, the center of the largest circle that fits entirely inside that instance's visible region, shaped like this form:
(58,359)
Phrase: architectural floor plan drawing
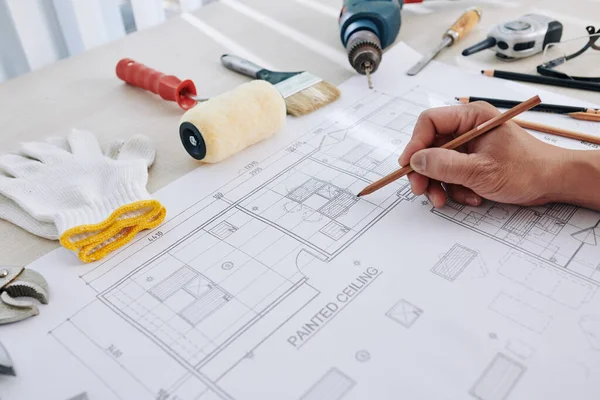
(546,279)
(241,270)
(498,379)
(565,236)
(271,280)
(454,262)
(333,385)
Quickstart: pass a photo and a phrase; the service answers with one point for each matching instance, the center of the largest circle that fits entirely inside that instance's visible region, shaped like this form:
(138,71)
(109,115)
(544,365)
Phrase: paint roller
(214,129)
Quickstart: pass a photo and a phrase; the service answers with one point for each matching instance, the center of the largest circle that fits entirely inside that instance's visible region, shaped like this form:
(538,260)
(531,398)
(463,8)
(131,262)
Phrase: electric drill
(367,27)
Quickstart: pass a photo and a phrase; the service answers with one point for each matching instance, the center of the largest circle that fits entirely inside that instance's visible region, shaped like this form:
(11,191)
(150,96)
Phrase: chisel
(461,27)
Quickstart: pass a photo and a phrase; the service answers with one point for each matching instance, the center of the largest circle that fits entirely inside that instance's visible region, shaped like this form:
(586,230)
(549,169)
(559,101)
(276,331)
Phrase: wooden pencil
(459,141)
(534,126)
(586,116)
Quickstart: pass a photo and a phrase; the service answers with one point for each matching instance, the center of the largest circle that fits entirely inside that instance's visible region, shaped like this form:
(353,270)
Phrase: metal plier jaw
(6,364)
(17,282)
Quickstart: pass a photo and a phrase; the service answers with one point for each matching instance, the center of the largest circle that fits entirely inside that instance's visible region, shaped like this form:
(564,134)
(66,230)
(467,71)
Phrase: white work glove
(13,213)
(96,202)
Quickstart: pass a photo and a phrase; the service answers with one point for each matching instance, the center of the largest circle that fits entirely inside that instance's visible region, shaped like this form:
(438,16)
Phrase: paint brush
(303,92)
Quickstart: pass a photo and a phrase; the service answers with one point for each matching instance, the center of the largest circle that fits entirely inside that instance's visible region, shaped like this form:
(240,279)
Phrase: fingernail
(410,179)
(418,162)
(473,200)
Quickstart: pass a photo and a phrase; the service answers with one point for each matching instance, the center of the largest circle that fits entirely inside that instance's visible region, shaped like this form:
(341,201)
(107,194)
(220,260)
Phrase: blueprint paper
(276,282)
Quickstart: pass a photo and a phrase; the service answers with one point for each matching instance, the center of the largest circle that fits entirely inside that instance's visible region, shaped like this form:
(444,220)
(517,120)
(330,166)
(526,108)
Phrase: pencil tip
(457,98)
(358,195)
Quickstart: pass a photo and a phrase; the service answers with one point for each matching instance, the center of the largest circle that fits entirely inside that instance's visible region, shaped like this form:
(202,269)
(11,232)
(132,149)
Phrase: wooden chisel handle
(464,24)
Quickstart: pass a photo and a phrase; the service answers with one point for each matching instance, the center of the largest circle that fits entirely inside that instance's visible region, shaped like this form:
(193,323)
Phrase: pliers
(18,282)
(6,364)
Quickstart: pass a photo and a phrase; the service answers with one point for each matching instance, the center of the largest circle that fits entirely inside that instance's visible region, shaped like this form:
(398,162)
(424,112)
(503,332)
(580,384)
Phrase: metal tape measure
(520,38)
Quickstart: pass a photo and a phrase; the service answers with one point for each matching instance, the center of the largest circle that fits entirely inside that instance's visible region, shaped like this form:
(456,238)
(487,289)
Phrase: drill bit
(364,53)
(368,73)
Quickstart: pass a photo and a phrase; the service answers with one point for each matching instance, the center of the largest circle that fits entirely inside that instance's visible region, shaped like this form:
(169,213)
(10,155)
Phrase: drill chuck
(364,51)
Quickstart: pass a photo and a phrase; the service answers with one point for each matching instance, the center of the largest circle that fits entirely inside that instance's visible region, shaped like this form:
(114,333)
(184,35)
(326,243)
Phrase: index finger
(442,121)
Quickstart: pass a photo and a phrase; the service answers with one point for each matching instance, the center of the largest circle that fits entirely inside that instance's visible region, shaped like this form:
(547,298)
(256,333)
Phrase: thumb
(447,166)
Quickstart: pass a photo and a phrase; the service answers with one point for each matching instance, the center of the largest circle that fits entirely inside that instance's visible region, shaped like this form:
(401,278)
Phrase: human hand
(507,164)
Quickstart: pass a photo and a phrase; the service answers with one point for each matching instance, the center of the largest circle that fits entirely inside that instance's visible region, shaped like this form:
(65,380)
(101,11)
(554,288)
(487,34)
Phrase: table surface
(83,91)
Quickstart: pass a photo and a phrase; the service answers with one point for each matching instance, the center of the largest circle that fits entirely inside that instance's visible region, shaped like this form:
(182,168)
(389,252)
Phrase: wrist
(576,178)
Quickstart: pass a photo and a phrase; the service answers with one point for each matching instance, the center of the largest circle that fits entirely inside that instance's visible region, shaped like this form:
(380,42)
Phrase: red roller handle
(168,87)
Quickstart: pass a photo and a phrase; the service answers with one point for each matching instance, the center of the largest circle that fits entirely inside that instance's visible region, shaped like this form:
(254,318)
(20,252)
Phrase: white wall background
(36,33)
